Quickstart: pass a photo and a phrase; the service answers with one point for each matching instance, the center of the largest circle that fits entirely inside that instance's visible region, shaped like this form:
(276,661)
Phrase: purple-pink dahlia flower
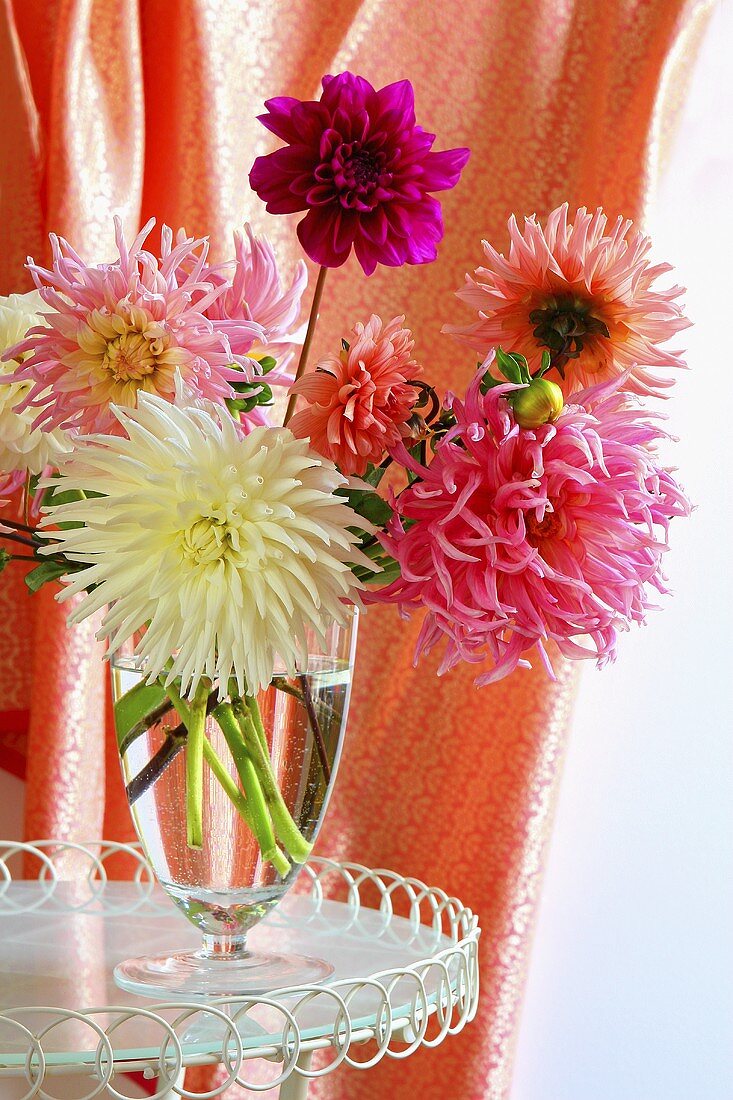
(363,169)
(135,324)
(514,537)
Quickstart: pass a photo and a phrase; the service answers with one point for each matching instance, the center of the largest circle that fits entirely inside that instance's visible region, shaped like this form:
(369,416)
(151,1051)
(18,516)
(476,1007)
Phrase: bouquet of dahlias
(137,424)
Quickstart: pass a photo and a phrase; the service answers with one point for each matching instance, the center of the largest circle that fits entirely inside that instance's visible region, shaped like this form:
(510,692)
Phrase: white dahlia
(226,548)
(22,447)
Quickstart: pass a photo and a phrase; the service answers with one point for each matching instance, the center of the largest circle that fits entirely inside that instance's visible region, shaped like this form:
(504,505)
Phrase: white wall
(630,993)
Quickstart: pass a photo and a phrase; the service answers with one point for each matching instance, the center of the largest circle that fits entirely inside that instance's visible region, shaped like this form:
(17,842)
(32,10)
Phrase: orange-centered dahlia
(583,291)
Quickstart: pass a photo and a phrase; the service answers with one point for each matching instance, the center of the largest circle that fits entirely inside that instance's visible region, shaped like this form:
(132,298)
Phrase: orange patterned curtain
(143,107)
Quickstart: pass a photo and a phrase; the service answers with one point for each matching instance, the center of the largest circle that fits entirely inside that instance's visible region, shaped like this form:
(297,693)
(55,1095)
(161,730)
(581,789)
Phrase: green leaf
(488,382)
(267,363)
(545,364)
(46,571)
(509,366)
(4,558)
(389,572)
(134,706)
(56,494)
(237,405)
(371,506)
(374,474)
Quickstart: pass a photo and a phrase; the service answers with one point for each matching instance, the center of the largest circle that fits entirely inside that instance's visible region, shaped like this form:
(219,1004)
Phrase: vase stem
(224,947)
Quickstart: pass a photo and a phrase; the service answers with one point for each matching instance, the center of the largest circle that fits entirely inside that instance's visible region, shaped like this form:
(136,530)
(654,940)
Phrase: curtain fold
(147,107)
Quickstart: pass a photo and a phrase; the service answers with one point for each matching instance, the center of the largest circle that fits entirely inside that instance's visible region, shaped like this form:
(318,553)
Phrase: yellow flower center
(133,355)
(126,350)
(233,532)
(208,540)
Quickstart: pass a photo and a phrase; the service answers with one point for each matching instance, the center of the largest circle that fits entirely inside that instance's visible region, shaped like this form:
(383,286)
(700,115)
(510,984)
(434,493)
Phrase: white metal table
(405,976)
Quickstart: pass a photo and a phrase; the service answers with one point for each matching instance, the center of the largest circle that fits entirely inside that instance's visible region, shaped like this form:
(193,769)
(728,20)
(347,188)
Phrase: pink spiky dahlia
(585,292)
(514,537)
(359,402)
(256,293)
(127,326)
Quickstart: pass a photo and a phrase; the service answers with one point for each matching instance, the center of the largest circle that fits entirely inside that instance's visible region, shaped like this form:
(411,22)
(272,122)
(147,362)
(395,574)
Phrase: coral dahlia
(514,537)
(128,327)
(359,401)
(585,291)
(362,168)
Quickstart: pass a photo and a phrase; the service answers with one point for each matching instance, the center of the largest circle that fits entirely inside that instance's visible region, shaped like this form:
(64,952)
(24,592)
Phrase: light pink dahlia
(257,293)
(127,326)
(514,537)
(585,292)
(359,402)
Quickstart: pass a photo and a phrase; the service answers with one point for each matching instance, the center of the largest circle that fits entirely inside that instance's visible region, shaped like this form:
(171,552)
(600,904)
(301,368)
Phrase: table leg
(296,1086)
(170,1094)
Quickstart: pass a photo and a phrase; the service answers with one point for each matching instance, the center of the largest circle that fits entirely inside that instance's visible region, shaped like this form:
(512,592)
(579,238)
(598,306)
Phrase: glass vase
(227,808)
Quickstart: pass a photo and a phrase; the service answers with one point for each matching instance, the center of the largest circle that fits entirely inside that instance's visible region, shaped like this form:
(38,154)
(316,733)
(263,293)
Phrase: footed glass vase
(228,791)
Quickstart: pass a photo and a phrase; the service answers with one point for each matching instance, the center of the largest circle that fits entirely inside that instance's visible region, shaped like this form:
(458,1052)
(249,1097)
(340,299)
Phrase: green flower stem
(259,818)
(281,684)
(195,767)
(310,331)
(288,832)
(225,779)
(254,711)
(177,700)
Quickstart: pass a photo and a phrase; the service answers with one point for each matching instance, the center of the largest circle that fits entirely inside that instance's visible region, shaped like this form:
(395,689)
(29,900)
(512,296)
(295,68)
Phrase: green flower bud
(539,403)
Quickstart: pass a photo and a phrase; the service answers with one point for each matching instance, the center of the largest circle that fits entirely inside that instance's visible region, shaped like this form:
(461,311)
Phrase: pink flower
(256,293)
(585,293)
(514,537)
(127,326)
(362,168)
(360,401)
(9,484)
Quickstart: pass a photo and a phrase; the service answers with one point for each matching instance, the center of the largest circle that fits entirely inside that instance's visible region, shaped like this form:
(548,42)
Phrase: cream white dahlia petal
(227,548)
(23,448)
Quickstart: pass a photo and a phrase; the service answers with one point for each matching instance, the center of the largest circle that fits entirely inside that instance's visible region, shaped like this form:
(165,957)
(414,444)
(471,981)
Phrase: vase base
(193,974)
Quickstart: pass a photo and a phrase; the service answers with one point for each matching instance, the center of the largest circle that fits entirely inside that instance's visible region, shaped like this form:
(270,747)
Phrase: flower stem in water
(288,832)
(195,768)
(259,818)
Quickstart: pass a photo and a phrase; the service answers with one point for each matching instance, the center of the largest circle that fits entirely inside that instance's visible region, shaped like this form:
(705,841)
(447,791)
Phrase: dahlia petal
(397,102)
(279,117)
(441,171)
(127,326)
(316,233)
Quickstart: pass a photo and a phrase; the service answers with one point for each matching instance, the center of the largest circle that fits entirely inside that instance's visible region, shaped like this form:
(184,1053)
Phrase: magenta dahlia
(362,168)
(514,537)
(135,324)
